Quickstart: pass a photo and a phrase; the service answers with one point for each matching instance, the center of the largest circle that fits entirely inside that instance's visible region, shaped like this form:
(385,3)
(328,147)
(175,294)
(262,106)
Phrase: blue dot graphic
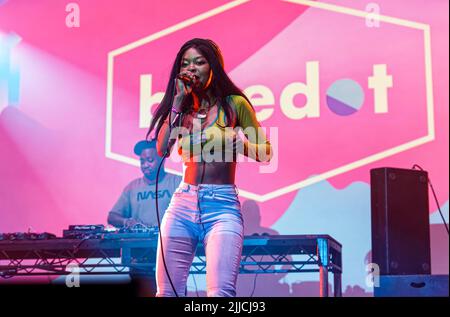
(345,97)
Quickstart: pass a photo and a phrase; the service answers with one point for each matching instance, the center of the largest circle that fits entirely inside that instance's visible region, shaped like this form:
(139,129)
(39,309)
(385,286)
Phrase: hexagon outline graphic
(317,178)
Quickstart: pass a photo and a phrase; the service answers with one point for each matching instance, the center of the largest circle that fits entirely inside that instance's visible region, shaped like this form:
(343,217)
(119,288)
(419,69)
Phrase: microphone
(186,79)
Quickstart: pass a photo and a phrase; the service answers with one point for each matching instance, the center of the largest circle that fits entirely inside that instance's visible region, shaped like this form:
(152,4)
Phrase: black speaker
(412,286)
(400,221)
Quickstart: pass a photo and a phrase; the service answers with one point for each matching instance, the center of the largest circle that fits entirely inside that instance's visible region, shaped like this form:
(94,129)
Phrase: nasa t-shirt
(138,199)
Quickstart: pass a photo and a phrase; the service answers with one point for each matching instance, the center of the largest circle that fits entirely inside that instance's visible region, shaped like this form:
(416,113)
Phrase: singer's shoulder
(238,102)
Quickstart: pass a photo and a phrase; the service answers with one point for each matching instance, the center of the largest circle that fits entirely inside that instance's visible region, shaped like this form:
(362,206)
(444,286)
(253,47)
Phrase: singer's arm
(257,146)
(165,140)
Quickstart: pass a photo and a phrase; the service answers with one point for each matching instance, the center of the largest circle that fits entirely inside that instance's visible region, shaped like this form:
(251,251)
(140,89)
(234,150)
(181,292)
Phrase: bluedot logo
(345,97)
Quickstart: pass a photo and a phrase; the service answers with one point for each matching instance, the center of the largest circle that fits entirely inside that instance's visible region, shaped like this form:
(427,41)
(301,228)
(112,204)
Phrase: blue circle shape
(345,97)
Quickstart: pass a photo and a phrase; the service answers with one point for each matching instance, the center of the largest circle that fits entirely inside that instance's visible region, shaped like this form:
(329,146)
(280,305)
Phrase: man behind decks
(136,206)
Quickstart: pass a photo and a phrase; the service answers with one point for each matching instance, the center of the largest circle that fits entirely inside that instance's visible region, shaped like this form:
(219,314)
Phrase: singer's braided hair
(221,85)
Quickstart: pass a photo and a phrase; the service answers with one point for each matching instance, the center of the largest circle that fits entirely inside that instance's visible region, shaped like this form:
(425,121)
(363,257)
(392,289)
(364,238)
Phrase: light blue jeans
(209,213)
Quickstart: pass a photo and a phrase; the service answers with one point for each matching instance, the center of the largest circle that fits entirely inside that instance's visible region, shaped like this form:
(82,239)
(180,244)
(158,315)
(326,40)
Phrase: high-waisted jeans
(209,213)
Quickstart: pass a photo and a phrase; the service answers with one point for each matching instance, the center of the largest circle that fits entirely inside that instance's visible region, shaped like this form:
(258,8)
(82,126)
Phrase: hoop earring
(209,80)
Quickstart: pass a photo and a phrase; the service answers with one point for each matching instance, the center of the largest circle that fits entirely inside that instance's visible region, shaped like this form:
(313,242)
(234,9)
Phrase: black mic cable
(434,194)
(166,154)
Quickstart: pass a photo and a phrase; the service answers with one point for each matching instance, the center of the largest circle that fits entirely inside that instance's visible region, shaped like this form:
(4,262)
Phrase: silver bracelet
(174,120)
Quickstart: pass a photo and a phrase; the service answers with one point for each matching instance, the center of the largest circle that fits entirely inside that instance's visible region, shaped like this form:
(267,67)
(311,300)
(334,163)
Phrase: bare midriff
(209,173)
(202,172)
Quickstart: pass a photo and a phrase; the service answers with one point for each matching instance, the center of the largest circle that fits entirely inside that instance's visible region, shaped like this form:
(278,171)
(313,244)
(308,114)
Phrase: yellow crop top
(217,142)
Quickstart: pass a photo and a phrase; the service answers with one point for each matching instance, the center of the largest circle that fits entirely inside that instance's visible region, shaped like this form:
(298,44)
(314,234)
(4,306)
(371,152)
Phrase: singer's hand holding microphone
(184,83)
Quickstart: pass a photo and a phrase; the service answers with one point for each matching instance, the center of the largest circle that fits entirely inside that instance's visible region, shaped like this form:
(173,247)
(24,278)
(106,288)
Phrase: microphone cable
(434,195)
(166,154)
